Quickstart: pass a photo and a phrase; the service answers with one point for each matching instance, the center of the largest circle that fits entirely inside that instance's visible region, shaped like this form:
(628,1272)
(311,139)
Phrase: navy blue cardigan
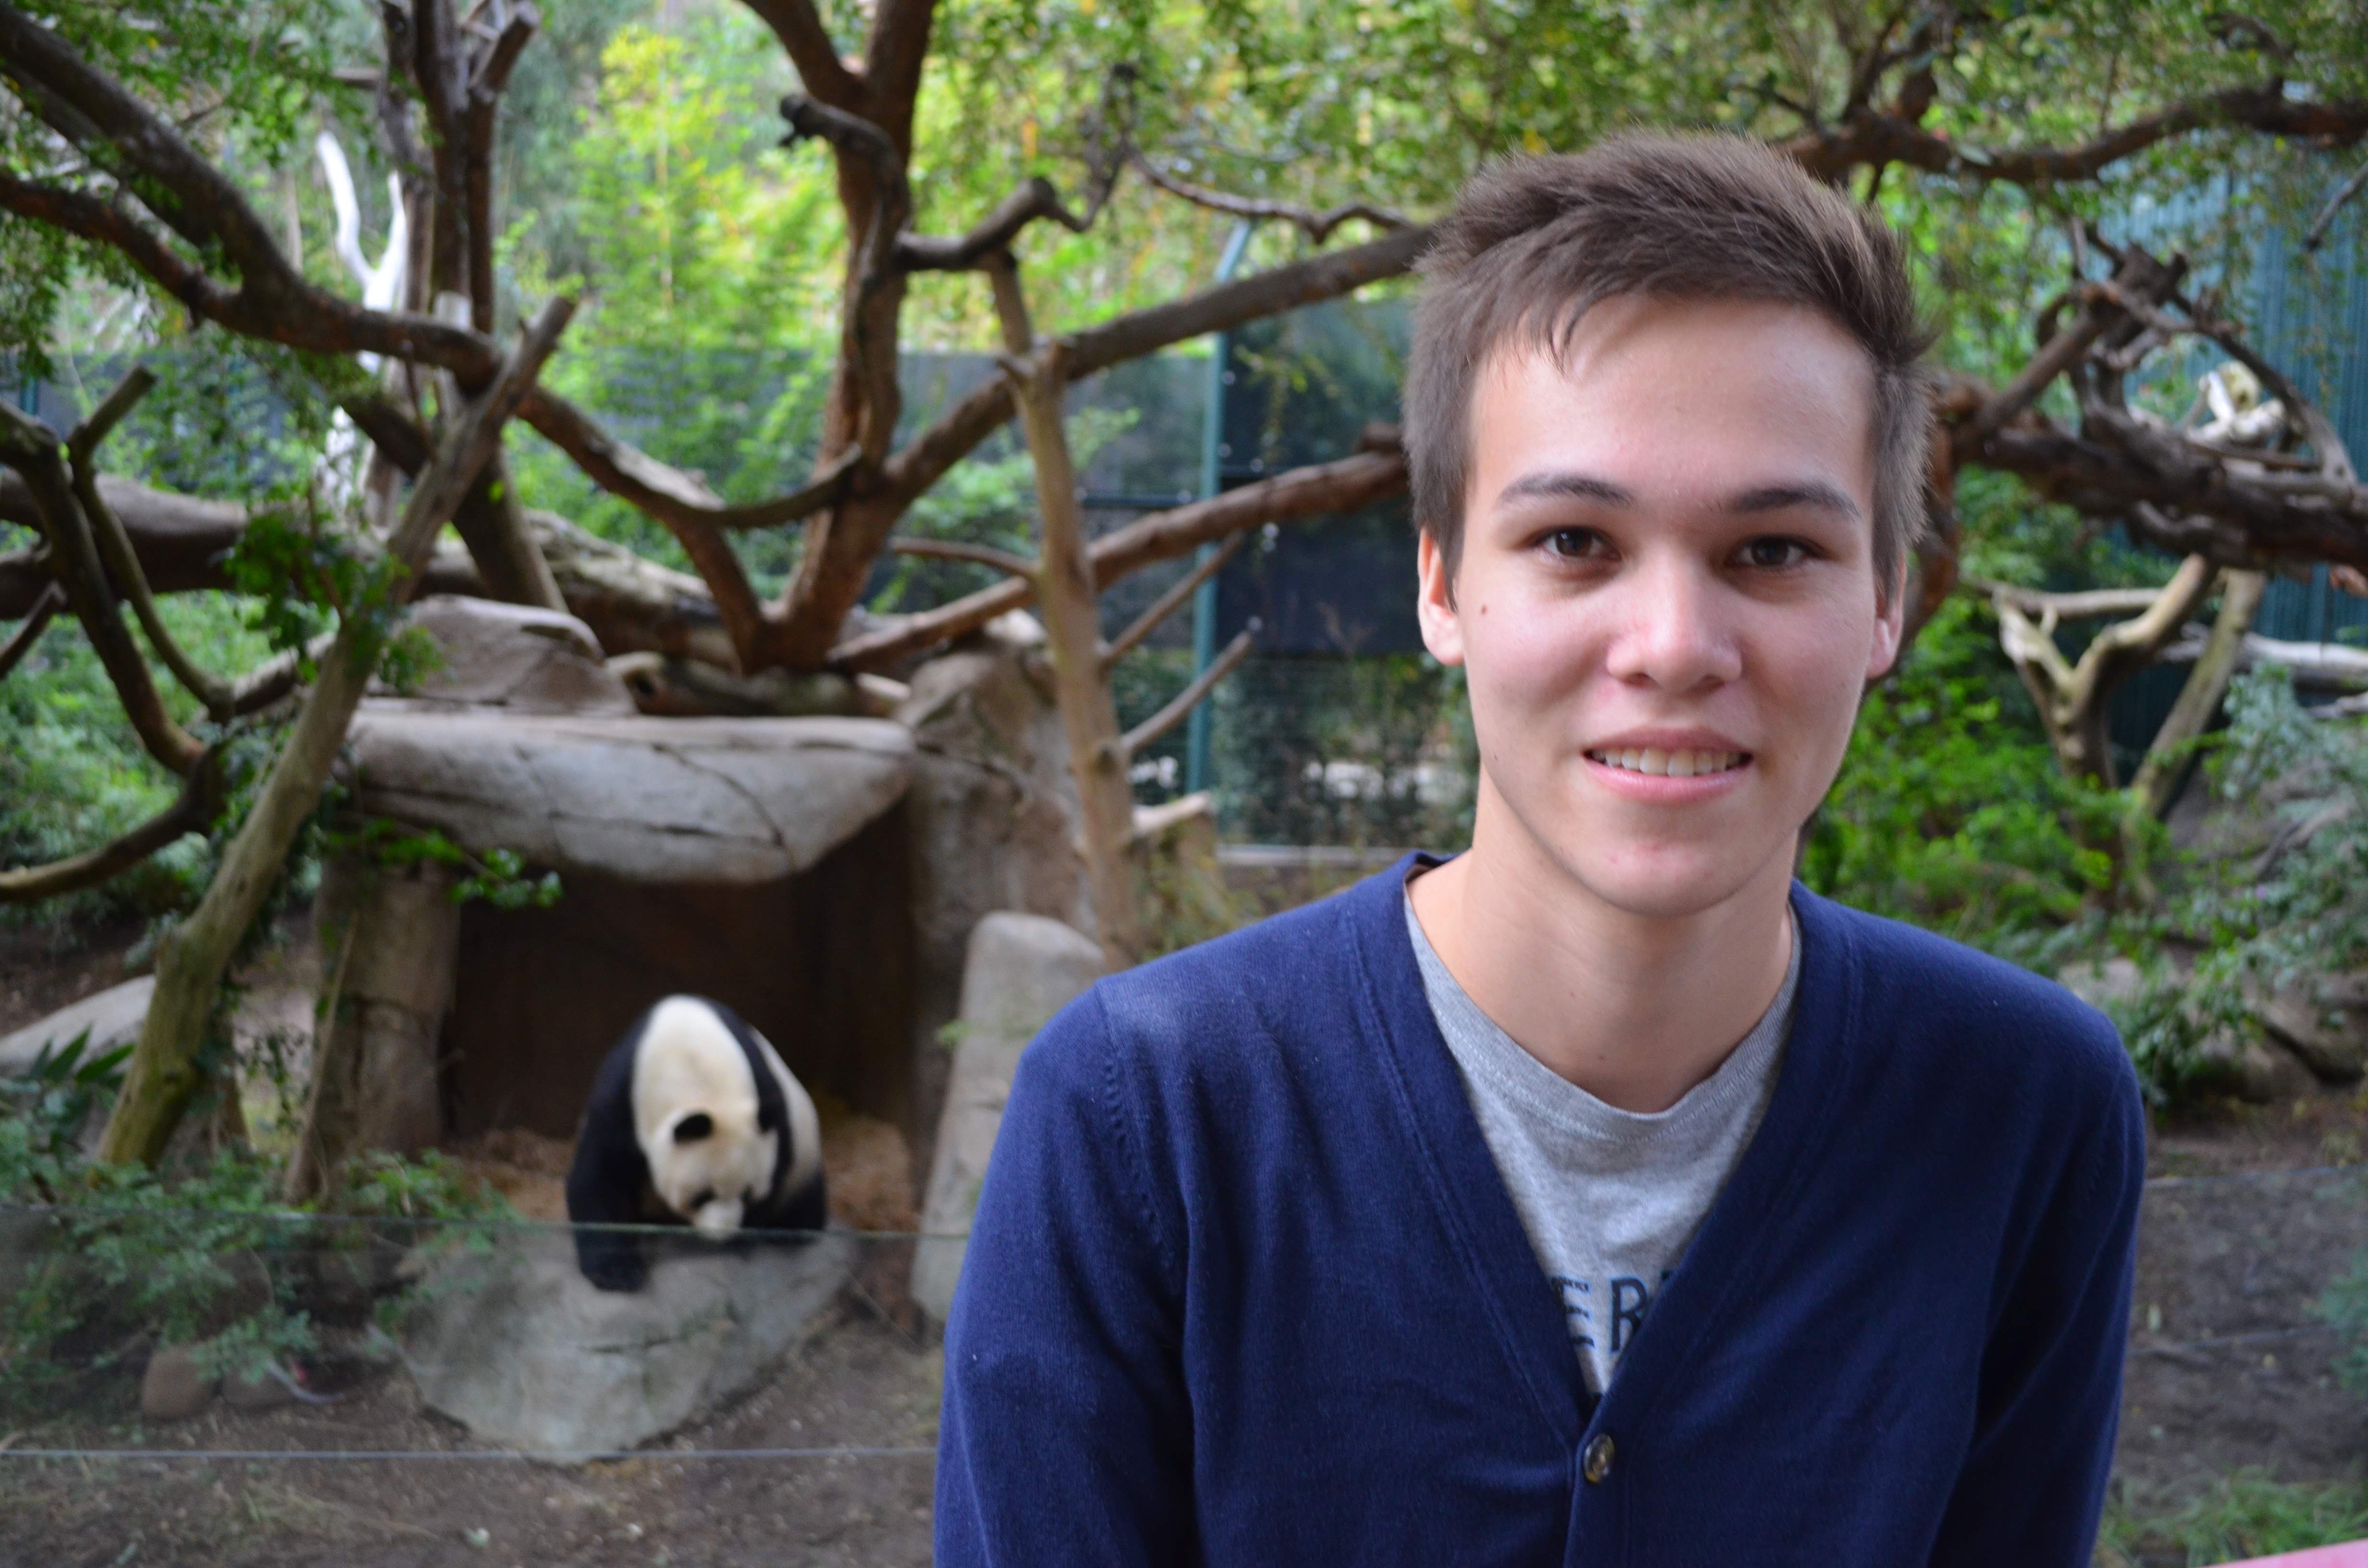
(1245,1287)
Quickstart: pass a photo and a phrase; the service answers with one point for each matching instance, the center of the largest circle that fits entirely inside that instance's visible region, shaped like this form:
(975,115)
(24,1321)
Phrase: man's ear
(1890,627)
(1434,605)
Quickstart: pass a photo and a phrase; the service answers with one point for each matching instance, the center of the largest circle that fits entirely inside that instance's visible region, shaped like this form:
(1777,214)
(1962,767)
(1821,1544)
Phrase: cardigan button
(1595,1462)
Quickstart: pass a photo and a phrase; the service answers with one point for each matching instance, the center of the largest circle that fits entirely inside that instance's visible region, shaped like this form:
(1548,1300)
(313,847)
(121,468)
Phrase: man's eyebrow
(1562,486)
(1784,497)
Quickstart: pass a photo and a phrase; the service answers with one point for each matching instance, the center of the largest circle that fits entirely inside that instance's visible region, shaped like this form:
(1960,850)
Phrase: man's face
(1666,603)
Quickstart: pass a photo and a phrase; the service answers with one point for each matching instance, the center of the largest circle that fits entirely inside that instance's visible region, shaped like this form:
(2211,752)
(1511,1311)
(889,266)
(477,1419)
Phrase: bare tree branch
(977,554)
(488,82)
(2087,604)
(44,609)
(1316,490)
(2071,698)
(807,43)
(921,461)
(194,811)
(687,509)
(2326,214)
(956,252)
(115,550)
(1316,226)
(1830,152)
(1130,744)
(1171,601)
(37,454)
(894,54)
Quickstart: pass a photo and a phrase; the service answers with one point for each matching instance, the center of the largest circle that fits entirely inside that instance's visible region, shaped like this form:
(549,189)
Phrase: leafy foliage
(60,1089)
(498,876)
(72,774)
(109,1260)
(2244,1516)
(1950,811)
(2277,901)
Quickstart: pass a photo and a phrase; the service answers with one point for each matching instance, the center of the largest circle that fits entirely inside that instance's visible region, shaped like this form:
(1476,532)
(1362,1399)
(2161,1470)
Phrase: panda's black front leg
(805,1210)
(809,1210)
(604,1187)
(612,1260)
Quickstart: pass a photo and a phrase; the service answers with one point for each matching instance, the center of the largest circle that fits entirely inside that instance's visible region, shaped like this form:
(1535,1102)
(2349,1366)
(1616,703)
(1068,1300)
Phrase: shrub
(108,1261)
(1951,812)
(2243,1515)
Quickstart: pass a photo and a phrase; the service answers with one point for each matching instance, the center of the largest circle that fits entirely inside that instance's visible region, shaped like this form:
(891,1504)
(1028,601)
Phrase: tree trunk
(167,1065)
(391,935)
(1065,594)
(493,526)
(2207,683)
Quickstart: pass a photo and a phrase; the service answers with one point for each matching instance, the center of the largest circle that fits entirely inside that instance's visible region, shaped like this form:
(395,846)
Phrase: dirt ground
(2251,1213)
(859,1382)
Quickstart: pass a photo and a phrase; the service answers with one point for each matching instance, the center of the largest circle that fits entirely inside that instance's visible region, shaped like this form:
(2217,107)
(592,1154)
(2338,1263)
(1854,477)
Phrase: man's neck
(1634,1009)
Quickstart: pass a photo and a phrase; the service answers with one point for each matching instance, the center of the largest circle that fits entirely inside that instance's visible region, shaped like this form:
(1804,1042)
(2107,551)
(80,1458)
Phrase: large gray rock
(517,1346)
(2324,1021)
(1022,970)
(666,801)
(992,813)
(275,1004)
(113,1017)
(516,656)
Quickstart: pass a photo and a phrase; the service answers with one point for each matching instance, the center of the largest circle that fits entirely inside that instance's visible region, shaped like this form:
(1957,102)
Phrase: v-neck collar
(1519,1303)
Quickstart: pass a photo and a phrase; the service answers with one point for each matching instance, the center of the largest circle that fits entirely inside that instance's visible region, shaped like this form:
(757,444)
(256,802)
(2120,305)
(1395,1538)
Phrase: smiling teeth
(1673,764)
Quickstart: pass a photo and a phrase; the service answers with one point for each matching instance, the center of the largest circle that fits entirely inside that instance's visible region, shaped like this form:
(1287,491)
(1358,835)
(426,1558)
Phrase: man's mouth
(1670,763)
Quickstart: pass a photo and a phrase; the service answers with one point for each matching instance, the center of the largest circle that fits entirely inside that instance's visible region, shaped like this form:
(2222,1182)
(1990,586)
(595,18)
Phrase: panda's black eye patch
(694,1127)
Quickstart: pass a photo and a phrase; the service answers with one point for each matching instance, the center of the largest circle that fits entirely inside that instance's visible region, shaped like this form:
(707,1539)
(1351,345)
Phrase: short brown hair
(1534,242)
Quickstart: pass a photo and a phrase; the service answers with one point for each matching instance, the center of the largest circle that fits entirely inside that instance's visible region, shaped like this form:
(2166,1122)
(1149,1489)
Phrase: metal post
(1204,599)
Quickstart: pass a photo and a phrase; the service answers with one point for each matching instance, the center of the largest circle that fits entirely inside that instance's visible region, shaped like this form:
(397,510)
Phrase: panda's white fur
(688,1064)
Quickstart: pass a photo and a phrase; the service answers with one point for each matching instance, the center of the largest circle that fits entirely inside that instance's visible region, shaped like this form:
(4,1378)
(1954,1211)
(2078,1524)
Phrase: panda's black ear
(694,1127)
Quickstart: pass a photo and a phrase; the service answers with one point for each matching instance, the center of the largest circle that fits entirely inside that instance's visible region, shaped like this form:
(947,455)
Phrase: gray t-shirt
(1610,1198)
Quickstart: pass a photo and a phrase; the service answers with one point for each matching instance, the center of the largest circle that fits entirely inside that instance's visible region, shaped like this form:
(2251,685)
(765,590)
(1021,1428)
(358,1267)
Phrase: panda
(694,1110)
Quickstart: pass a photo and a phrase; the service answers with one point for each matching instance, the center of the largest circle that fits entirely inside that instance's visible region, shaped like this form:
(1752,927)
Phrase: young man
(1599,1196)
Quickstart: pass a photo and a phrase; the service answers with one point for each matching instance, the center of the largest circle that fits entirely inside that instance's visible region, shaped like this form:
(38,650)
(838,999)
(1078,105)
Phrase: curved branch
(976,554)
(123,565)
(2325,219)
(137,383)
(1830,152)
(115,550)
(200,801)
(922,460)
(686,508)
(1169,603)
(807,43)
(1316,226)
(1314,490)
(188,192)
(45,608)
(34,451)
(957,253)
(2086,604)
(1177,708)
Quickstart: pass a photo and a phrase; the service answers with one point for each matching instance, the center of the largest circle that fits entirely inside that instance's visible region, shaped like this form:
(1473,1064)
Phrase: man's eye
(1575,544)
(1775,553)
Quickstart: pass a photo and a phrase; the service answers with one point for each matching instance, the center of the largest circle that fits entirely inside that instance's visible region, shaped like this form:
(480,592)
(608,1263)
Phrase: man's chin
(1663,884)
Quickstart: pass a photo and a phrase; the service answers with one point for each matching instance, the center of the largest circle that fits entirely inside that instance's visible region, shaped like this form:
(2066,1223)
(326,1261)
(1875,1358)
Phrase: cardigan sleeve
(1066,1434)
(2034,1481)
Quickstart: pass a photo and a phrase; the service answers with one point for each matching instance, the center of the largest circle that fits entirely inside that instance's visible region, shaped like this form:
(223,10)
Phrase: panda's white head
(695,1115)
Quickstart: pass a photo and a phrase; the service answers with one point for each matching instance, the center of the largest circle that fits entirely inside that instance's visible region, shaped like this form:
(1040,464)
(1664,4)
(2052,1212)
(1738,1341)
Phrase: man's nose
(1672,633)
